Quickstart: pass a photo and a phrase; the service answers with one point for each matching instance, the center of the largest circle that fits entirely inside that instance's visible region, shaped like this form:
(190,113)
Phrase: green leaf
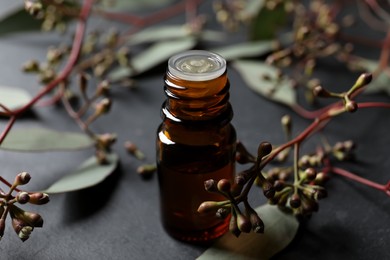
(87,175)
(18,20)
(279,91)
(252,8)
(169,32)
(280,230)
(381,82)
(41,139)
(136,5)
(151,57)
(13,97)
(266,24)
(246,49)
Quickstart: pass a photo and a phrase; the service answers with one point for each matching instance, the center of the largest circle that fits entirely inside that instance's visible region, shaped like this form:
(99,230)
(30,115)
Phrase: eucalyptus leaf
(18,20)
(280,230)
(279,91)
(252,8)
(13,97)
(246,49)
(267,22)
(87,175)
(41,139)
(170,32)
(136,5)
(380,82)
(151,57)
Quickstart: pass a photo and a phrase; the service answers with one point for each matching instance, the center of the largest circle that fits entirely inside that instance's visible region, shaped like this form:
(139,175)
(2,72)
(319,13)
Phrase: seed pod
(295,201)
(210,186)
(222,213)
(268,190)
(255,220)
(208,206)
(224,185)
(264,149)
(22,178)
(23,197)
(233,227)
(39,198)
(244,225)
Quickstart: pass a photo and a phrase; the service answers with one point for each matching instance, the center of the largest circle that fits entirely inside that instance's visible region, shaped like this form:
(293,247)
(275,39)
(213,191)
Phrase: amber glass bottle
(195,142)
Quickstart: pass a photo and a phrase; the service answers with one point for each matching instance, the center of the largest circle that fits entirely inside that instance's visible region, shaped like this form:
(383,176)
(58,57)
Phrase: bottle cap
(197,65)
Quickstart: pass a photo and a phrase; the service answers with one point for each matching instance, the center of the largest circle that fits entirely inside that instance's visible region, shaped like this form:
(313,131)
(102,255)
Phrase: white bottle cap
(197,65)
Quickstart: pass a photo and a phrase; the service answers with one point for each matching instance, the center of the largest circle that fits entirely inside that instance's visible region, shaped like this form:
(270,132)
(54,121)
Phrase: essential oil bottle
(195,142)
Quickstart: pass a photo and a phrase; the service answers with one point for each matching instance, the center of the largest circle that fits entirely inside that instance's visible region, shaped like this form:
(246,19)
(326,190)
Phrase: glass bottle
(195,142)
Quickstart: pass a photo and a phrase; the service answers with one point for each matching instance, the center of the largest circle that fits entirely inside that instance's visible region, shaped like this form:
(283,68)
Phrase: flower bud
(22,178)
(241,178)
(23,197)
(224,185)
(39,198)
(255,220)
(208,206)
(106,140)
(268,190)
(103,106)
(210,185)
(319,91)
(244,225)
(310,174)
(295,201)
(351,106)
(233,227)
(146,170)
(264,149)
(103,88)
(31,66)
(222,213)
(279,185)
(133,150)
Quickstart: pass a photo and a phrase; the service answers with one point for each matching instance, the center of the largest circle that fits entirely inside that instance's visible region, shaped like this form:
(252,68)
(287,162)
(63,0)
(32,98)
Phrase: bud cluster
(23,222)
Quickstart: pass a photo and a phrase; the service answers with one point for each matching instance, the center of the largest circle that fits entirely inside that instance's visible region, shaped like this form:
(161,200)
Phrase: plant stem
(385,188)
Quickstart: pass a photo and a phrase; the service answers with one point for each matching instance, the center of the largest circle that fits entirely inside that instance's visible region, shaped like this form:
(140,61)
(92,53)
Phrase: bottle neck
(195,100)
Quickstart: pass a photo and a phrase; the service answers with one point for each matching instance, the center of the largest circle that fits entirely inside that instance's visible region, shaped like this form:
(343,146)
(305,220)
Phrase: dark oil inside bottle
(195,143)
(185,168)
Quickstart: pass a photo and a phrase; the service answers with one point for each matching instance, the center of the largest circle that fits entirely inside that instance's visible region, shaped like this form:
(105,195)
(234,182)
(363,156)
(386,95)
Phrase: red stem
(350,175)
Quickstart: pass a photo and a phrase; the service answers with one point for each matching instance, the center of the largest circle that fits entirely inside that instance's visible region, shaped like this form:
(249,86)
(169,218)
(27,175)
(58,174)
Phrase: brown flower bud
(264,149)
(103,106)
(295,201)
(244,225)
(22,178)
(210,185)
(103,88)
(105,141)
(268,190)
(146,170)
(132,149)
(233,227)
(39,198)
(23,197)
(208,206)
(224,185)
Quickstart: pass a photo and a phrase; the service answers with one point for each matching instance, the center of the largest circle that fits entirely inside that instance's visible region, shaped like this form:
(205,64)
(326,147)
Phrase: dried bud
(264,149)
(210,186)
(295,201)
(319,91)
(351,106)
(23,197)
(103,106)
(22,229)
(132,149)
(39,198)
(310,174)
(103,89)
(244,225)
(31,66)
(208,206)
(224,185)
(233,227)
(146,170)
(22,178)
(268,190)
(255,220)
(33,219)
(222,213)
(105,141)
